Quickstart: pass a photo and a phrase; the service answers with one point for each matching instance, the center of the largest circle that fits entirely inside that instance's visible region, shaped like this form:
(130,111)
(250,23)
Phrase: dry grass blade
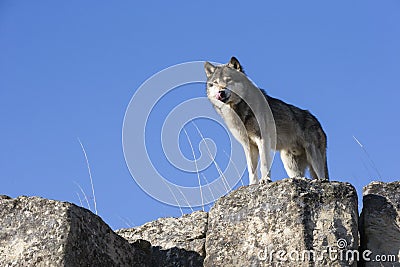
(90,176)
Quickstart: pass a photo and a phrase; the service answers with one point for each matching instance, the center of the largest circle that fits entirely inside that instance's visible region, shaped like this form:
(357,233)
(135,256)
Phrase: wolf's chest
(233,122)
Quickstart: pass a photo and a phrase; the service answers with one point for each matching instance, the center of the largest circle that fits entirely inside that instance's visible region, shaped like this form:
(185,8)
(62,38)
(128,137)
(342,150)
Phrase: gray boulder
(175,241)
(40,232)
(291,222)
(380,224)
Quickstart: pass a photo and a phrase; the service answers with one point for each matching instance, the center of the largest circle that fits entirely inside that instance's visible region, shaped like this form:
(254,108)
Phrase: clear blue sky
(68,69)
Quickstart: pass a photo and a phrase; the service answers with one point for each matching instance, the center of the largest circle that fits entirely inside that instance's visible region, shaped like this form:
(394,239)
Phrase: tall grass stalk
(369,157)
(90,176)
(224,181)
(197,169)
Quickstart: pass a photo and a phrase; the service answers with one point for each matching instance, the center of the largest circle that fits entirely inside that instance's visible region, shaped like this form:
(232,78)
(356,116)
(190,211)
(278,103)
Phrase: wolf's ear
(234,64)
(209,68)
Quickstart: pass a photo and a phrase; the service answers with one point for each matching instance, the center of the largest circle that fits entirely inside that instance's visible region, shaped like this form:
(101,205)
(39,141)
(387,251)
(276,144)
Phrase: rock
(40,232)
(175,241)
(380,223)
(291,222)
(282,224)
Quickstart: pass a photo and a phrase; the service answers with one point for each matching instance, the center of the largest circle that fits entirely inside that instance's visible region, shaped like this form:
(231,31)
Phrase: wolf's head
(225,82)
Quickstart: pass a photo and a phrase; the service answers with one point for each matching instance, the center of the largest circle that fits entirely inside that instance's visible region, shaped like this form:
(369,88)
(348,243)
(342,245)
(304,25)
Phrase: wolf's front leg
(264,146)
(251,152)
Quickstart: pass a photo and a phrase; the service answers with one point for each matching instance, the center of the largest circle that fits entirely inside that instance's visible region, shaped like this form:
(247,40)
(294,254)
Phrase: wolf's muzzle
(222,96)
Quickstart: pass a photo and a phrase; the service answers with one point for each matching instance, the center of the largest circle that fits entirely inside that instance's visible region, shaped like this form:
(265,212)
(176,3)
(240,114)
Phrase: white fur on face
(213,89)
(223,79)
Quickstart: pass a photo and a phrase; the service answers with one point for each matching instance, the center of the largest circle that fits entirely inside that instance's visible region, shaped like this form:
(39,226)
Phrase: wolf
(247,111)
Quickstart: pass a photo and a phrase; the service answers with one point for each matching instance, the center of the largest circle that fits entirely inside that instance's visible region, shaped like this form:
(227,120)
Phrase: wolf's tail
(316,153)
(323,149)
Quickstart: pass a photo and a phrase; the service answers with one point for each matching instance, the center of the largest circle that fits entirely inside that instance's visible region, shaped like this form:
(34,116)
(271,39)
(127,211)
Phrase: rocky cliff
(175,241)
(379,223)
(291,222)
(40,232)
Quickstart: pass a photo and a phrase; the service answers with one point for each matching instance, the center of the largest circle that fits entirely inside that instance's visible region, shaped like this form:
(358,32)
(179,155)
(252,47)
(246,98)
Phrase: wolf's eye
(210,84)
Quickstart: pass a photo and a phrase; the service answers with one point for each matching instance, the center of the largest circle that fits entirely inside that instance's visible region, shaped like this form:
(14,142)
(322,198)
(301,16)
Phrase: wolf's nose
(221,95)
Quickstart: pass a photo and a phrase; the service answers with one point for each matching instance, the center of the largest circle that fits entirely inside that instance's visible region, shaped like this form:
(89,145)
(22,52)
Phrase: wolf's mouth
(222,96)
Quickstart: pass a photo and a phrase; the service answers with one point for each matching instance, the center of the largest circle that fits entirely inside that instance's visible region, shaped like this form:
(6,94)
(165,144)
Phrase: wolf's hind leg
(294,163)
(313,173)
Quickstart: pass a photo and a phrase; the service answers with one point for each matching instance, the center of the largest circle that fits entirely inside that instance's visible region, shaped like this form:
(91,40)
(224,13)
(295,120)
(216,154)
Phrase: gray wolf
(245,108)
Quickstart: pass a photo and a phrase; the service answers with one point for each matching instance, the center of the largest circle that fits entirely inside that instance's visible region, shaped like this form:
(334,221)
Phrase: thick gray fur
(244,108)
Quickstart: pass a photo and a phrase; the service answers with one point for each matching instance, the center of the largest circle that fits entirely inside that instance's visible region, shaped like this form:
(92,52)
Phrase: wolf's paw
(265,180)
